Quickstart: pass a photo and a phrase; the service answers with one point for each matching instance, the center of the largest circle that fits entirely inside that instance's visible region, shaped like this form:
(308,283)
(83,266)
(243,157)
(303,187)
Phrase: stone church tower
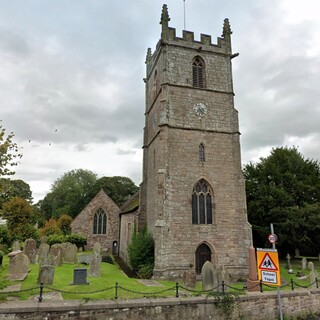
(192,194)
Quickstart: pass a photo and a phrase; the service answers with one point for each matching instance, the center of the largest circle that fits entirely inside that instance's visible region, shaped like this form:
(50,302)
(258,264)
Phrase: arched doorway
(203,254)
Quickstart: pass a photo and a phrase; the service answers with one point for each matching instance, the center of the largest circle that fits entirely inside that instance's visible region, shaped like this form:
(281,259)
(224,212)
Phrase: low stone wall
(262,306)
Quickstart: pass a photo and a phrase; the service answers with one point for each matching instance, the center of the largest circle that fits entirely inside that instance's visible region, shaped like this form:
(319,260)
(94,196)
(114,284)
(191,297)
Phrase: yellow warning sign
(268,266)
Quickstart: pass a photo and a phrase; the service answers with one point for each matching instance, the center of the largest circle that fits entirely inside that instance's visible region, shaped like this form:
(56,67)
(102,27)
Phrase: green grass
(104,287)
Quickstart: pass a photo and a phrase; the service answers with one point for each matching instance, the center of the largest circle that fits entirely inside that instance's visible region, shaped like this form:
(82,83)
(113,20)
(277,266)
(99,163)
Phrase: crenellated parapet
(168,36)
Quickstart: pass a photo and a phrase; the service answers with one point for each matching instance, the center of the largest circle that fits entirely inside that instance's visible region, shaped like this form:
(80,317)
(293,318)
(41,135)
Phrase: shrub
(77,239)
(51,227)
(64,223)
(55,238)
(141,252)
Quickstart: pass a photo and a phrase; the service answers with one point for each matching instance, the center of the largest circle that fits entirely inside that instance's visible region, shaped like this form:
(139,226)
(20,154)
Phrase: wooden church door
(203,254)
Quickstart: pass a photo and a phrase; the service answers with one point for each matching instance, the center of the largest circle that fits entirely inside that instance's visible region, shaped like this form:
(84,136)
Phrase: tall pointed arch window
(198,72)
(202,203)
(100,222)
(202,156)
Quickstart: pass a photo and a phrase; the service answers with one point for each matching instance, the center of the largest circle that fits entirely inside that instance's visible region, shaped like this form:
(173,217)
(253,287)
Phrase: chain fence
(176,290)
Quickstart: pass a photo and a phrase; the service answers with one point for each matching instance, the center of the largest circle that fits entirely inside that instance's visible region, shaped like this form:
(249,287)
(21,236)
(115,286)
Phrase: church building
(192,197)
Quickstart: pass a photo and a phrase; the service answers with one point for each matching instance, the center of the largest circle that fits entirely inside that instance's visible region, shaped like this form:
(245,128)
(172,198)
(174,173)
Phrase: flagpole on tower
(184,14)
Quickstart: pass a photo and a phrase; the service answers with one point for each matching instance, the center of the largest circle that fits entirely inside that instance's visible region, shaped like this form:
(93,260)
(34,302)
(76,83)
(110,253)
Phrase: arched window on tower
(198,72)
(100,222)
(202,203)
(202,157)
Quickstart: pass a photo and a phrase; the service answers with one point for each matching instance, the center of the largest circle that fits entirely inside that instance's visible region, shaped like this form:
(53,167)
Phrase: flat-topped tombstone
(56,253)
(18,266)
(84,258)
(304,263)
(70,253)
(208,276)
(30,249)
(80,276)
(189,279)
(96,247)
(43,252)
(46,274)
(16,245)
(95,263)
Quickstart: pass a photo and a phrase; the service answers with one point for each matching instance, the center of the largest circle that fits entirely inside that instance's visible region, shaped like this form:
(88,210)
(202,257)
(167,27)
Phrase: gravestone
(15,245)
(56,253)
(189,279)
(97,247)
(43,239)
(312,277)
(79,276)
(297,253)
(46,274)
(70,253)
(84,258)
(310,266)
(288,266)
(95,263)
(18,266)
(223,275)
(304,263)
(30,249)
(208,274)
(43,252)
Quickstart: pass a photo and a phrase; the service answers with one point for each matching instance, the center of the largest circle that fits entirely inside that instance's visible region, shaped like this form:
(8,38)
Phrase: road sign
(272,238)
(268,266)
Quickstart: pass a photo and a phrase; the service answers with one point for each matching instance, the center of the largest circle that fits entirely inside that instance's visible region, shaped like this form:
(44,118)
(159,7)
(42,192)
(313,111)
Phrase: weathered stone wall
(83,222)
(127,229)
(262,306)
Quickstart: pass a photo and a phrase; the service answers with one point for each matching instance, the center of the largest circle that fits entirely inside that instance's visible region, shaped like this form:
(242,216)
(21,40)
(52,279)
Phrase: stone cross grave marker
(97,247)
(18,266)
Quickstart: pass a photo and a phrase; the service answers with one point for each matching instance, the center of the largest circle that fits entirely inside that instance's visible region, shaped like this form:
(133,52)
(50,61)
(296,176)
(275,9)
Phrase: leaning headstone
(56,253)
(95,263)
(304,263)
(208,276)
(80,276)
(70,253)
(189,279)
(46,274)
(30,249)
(43,252)
(15,245)
(18,266)
(96,247)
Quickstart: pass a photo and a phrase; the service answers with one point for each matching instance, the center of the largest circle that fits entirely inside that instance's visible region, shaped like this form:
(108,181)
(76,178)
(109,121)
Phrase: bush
(141,252)
(146,271)
(4,235)
(77,239)
(55,238)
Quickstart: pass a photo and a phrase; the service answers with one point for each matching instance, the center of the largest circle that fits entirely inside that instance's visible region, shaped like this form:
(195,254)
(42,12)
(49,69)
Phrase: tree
(9,153)
(118,188)
(284,189)
(69,194)
(14,188)
(20,220)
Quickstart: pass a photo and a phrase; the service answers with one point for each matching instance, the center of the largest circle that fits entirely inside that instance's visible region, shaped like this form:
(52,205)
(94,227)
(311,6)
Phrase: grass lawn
(104,287)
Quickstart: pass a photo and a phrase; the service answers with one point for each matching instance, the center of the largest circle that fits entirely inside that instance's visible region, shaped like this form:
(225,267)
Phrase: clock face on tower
(200,109)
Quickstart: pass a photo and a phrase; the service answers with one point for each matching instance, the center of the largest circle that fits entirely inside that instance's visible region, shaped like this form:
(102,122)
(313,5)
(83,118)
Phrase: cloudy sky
(71,73)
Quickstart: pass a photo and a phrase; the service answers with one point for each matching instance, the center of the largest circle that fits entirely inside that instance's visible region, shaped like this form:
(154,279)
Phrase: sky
(72,90)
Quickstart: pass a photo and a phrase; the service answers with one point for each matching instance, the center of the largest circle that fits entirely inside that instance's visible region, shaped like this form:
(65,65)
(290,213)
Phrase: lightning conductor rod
(184,14)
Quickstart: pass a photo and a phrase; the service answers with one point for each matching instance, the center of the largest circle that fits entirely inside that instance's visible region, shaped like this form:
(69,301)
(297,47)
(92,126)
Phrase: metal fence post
(261,289)
(41,291)
(116,291)
(177,290)
(222,285)
(292,287)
